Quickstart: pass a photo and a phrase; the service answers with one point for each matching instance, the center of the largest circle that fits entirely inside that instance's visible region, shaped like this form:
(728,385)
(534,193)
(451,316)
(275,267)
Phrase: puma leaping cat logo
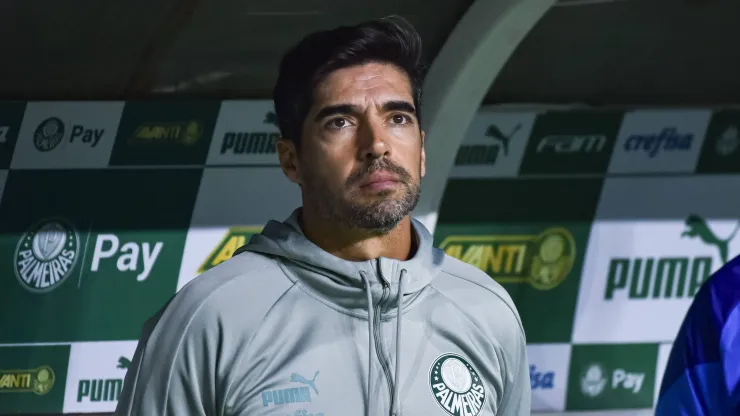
(697,227)
(271,118)
(297,378)
(496,133)
(123,363)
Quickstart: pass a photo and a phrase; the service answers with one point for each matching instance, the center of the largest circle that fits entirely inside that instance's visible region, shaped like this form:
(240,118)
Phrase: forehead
(363,85)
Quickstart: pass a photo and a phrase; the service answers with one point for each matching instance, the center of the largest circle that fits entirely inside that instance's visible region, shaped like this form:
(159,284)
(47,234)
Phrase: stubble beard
(383,215)
(379,216)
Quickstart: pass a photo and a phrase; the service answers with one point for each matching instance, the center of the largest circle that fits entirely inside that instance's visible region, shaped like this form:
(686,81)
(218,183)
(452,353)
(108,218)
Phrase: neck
(357,244)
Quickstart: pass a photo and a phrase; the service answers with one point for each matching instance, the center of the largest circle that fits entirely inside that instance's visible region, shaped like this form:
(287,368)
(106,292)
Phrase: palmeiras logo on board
(48,134)
(46,255)
(593,380)
(728,141)
(456,385)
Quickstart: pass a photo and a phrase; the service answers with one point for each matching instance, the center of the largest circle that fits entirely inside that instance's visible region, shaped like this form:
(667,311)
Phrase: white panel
(67,135)
(95,375)
(548,373)
(245,134)
(654,241)
(660,141)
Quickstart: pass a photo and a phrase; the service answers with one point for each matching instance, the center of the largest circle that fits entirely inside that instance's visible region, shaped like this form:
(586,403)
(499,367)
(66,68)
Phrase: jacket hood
(341,282)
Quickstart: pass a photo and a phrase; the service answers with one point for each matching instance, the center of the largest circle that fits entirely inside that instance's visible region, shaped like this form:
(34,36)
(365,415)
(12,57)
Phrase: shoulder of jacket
(471,288)
(245,285)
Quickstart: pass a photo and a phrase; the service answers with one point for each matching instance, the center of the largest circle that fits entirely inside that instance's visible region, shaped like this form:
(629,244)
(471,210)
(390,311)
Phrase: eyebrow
(331,110)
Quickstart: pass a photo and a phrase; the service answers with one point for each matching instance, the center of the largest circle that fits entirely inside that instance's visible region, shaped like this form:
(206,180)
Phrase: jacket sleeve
(731,360)
(702,376)
(692,387)
(518,395)
(173,369)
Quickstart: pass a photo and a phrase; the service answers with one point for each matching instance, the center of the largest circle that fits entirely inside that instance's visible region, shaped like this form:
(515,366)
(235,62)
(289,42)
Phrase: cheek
(413,160)
(323,169)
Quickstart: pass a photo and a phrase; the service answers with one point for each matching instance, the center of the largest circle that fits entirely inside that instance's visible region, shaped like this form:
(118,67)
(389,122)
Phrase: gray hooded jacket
(285,328)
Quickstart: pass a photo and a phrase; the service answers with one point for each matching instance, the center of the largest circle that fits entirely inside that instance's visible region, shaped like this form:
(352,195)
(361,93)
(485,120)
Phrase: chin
(375,196)
(379,222)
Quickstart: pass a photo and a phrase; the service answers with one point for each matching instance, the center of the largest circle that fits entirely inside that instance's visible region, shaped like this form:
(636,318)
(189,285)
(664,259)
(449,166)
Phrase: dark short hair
(390,40)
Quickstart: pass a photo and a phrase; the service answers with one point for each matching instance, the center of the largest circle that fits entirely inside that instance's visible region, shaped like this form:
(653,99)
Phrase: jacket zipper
(378,340)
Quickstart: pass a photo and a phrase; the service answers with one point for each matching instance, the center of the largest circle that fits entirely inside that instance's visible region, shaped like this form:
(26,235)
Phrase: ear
(288,156)
(423,156)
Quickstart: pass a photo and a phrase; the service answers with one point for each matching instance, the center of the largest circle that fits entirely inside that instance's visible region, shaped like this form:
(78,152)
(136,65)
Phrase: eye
(400,119)
(337,123)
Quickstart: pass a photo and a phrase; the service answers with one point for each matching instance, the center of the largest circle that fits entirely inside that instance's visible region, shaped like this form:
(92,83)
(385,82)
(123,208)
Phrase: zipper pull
(381,277)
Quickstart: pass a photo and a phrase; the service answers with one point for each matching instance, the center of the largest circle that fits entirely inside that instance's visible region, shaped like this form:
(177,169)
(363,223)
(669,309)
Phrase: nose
(373,140)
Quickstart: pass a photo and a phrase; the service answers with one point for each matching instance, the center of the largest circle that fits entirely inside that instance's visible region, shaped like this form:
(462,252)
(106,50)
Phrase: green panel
(571,142)
(11,116)
(519,200)
(539,265)
(32,379)
(612,377)
(721,150)
(507,227)
(115,241)
(165,133)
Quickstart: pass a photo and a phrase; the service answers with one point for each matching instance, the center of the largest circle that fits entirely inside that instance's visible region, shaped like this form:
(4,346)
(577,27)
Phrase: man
(702,377)
(345,308)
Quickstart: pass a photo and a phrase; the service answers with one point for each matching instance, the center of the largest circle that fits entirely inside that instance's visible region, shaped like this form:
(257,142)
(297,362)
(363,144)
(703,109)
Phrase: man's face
(362,156)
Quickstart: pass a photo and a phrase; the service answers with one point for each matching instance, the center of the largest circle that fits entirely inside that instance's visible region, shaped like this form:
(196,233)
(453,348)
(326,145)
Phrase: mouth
(380,181)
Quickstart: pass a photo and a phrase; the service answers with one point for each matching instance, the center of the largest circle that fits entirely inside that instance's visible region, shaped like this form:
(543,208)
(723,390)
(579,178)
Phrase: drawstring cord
(396,406)
(396,411)
(371,344)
